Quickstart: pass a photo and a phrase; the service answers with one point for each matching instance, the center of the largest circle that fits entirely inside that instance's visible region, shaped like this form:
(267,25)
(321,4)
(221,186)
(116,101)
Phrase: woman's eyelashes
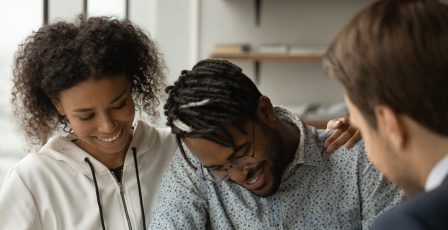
(120,105)
(87,117)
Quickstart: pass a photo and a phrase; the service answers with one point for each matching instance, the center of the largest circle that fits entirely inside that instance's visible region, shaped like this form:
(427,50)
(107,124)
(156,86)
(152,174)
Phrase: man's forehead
(201,143)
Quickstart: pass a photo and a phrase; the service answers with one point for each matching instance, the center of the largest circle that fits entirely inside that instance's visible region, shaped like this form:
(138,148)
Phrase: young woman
(87,79)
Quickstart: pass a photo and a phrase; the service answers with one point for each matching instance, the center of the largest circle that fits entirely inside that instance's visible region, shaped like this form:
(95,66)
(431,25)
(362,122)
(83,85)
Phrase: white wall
(143,13)
(293,22)
(172,24)
(64,9)
(17,22)
(174,32)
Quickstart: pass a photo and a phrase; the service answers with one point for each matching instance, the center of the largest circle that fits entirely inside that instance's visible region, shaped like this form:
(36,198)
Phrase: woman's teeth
(111,139)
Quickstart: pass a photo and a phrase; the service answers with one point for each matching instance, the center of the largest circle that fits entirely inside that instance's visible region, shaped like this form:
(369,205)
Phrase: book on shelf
(297,50)
(273,49)
(231,49)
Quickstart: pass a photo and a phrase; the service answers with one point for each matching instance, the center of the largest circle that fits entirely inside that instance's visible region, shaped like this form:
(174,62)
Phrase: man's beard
(275,157)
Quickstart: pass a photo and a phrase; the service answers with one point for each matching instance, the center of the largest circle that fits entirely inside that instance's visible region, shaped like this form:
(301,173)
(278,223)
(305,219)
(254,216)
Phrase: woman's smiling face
(100,112)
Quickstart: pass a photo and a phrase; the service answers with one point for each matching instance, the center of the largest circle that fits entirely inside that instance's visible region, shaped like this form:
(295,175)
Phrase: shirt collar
(310,148)
(437,174)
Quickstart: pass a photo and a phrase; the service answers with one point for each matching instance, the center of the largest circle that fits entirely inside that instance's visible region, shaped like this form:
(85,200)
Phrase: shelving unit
(258,58)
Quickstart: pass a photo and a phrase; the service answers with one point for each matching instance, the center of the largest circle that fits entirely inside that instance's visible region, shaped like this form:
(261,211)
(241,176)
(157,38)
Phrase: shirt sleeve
(18,209)
(377,193)
(181,203)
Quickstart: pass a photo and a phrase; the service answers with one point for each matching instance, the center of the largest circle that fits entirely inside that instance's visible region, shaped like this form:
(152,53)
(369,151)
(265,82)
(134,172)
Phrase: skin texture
(344,134)
(389,148)
(268,150)
(98,109)
(274,144)
(391,61)
(212,108)
(215,156)
(63,54)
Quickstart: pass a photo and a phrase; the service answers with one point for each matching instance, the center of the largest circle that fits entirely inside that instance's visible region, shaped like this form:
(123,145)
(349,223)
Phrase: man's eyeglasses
(244,162)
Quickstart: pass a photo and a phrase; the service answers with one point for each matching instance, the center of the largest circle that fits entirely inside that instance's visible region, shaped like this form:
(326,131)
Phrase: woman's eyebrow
(91,109)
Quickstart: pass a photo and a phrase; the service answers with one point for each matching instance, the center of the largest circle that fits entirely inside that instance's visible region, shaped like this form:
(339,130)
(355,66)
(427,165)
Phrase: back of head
(395,53)
(214,94)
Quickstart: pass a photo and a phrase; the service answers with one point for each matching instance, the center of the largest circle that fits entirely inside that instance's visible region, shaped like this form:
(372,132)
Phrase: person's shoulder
(154,136)
(436,199)
(56,156)
(427,210)
(46,154)
(148,129)
(33,165)
(354,162)
(317,137)
(354,156)
(342,158)
(431,206)
(395,219)
(187,160)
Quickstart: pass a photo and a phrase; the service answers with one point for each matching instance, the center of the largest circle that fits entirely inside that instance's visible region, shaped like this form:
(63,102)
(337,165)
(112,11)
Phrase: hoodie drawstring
(97,191)
(134,153)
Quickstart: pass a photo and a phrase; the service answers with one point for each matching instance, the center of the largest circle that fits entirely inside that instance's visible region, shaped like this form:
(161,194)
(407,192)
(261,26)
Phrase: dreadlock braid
(206,99)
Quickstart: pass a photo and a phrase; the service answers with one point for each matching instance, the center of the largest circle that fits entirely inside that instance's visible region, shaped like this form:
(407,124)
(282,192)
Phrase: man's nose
(238,174)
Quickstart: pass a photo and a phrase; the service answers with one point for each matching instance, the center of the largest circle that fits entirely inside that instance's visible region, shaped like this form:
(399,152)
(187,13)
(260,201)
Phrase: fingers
(354,139)
(340,140)
(336,123)
(335,135)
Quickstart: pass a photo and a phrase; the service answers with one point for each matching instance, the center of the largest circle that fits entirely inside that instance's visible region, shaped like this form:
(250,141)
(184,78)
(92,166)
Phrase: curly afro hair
(60,55)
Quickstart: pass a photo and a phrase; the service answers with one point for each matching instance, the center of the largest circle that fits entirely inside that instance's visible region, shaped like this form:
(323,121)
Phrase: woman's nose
(106,124)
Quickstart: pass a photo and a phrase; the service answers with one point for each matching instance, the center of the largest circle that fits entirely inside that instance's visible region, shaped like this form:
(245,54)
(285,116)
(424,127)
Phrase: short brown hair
(395,53)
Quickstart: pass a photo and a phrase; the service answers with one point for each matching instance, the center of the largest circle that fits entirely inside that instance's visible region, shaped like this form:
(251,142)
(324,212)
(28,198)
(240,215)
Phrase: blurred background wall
(188,31)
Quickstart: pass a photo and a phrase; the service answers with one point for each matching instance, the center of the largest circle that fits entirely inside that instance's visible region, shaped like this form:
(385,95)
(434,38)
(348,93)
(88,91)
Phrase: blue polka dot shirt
(341,190)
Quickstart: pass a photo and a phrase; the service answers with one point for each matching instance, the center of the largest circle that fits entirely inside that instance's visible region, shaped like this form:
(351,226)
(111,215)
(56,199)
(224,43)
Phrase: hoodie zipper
(123,200)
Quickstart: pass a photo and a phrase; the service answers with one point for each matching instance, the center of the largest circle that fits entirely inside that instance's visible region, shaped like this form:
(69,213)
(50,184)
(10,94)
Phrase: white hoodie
(55,189)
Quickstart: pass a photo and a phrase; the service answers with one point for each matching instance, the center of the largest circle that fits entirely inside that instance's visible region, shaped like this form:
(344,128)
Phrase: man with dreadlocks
(245,164)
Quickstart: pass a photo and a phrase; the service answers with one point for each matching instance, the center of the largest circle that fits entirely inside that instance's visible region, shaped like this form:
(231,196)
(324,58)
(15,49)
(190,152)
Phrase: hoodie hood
(55,188)
(62,148)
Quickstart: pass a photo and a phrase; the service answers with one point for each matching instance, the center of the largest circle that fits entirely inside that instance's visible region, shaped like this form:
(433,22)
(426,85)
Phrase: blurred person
(392,61)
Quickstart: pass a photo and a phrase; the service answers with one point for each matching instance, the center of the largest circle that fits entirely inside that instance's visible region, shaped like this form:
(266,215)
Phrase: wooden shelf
(257,58)
(269,57)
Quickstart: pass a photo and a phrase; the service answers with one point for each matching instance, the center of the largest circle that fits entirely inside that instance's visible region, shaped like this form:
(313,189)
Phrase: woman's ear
(265,110)
(57,104)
